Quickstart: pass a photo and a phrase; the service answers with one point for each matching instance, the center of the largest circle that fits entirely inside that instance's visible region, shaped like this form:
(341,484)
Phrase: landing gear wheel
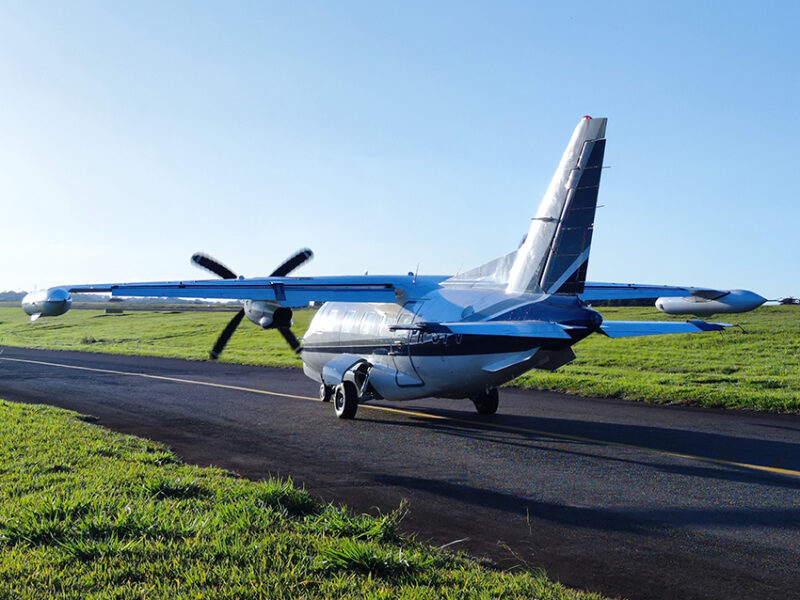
(326,392)
(345,400)
(486,403)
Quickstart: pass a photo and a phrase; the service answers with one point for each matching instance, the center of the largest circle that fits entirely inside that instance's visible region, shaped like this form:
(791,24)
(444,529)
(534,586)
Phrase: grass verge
(759,369)
(88,513)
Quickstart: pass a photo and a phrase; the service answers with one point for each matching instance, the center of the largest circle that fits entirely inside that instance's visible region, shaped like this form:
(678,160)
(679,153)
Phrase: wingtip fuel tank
(734,301)
(46,303)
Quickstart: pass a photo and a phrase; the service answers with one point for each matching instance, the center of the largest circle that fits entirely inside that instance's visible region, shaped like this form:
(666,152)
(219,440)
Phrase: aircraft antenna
(415,274)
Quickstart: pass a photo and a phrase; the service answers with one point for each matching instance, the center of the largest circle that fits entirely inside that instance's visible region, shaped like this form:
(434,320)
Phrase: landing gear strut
(345,400)
(486,403)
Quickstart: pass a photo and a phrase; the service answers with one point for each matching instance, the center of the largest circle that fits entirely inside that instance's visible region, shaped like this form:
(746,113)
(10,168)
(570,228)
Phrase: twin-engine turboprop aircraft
(408,336)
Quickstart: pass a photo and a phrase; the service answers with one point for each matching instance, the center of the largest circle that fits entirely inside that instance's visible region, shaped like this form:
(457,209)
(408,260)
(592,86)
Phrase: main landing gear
(486,403)
(345,400)
(344,396)
(353,389)
(325,392)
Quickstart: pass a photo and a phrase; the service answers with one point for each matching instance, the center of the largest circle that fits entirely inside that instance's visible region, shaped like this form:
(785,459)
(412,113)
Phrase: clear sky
(386,134)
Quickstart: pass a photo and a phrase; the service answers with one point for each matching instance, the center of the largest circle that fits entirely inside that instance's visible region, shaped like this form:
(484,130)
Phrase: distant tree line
(10,296)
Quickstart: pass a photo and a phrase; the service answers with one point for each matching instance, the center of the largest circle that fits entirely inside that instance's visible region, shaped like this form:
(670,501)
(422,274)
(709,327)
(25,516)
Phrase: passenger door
(403,344)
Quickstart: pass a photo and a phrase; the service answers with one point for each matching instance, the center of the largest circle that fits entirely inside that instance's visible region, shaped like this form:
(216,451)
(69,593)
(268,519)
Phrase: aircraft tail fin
(555,253)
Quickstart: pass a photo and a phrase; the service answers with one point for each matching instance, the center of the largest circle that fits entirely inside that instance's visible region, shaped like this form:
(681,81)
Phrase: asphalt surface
(627,499)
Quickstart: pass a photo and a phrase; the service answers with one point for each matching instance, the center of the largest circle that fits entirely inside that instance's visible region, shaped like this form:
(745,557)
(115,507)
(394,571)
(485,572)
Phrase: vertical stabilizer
(555,253)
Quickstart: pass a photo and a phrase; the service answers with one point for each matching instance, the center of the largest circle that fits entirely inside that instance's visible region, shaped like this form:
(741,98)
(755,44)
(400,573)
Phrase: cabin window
(348,322)
(321,318)
(330,322)
(368,323)
(383,326)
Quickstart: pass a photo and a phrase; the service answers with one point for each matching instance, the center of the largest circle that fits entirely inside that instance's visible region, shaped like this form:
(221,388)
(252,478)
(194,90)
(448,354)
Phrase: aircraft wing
(618,329)
(292,292)
(630,291)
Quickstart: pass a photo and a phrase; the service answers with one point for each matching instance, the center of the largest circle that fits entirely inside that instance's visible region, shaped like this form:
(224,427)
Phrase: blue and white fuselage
(448,342)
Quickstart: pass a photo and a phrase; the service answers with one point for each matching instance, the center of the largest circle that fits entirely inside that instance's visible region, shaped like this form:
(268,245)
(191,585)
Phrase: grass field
(759,369)
(86,513)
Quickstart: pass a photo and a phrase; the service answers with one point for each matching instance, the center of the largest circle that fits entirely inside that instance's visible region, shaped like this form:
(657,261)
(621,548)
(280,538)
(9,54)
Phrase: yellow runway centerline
(432,417)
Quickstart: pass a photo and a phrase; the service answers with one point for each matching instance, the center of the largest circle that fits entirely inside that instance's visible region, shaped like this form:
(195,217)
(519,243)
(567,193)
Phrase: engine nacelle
(734,301)
(46,303)
(269,315)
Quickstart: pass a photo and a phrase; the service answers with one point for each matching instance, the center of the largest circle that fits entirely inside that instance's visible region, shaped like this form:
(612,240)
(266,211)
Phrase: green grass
(171,334)
(86,513)
(759,369)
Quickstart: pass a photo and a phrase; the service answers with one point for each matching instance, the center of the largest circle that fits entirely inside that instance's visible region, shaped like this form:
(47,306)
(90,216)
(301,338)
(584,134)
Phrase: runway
(627,499)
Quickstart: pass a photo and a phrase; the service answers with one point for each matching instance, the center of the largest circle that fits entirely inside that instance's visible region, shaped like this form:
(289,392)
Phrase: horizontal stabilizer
(527,329)
(618,329)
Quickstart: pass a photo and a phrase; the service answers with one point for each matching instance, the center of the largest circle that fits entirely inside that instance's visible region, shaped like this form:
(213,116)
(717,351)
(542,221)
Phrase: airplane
(402,337)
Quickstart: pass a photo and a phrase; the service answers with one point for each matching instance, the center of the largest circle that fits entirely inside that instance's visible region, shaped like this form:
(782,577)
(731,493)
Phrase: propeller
(291,263)
(226,334)
(217,268)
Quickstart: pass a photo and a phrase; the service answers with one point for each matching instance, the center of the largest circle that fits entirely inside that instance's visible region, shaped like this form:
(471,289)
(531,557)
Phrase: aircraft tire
(487,402)
(345,400)
(326,392)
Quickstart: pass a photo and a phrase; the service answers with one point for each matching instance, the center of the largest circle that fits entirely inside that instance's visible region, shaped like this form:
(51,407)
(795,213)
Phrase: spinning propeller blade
(226,334)
(291,263)
(290,338)
(214,266)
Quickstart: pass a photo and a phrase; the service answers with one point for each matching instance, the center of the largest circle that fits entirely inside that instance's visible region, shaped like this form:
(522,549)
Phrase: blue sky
(383,135)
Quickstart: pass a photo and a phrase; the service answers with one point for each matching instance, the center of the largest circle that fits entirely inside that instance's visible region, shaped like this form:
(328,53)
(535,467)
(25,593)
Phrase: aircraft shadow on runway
(639,521)
(660,440)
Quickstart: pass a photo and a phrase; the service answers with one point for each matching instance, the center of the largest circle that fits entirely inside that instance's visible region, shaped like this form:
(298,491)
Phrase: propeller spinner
(281,317)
